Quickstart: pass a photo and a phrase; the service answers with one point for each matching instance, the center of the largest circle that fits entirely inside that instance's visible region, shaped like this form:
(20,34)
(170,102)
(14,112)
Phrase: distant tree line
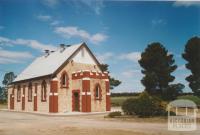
(125,94)
(8,78)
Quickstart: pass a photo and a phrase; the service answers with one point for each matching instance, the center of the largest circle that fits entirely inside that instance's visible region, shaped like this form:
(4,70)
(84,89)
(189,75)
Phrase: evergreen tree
(8,78)
(192,56)
(113,82)
(157,65)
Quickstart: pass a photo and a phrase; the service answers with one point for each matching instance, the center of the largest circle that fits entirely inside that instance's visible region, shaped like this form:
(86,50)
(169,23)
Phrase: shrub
(144,106)
(114,114)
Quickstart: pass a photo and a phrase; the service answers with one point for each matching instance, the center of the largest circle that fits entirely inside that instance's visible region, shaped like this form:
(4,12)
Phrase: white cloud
(44,17)
(51,3)
(55,22)
(186,3)
(7,57)
(182,67)
(8,61)
(73,31)
(131,73)
(95,5)
(133,56)
(156,22)
(14,54)
(5,41)
(96,38)
(103,58)
(26,42)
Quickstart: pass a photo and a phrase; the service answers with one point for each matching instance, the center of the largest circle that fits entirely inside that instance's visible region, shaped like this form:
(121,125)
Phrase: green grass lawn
(117,101)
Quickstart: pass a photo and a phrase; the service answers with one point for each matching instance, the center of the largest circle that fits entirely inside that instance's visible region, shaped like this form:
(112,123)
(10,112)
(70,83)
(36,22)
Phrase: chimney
(47,52)
(62,47)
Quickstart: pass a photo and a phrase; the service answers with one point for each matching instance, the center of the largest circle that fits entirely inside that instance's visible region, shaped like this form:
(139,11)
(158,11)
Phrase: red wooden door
(23,99)
(35,98)
(11,101)
(53,97)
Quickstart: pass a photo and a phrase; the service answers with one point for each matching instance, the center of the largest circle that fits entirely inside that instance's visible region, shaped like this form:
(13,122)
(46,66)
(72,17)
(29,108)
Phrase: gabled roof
(48,65)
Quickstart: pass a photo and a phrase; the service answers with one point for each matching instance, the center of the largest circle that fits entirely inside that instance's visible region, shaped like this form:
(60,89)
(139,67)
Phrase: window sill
(43,100)
(64,87)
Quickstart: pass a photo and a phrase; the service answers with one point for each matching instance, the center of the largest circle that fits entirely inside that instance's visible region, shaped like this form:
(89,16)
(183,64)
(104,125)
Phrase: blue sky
(116,31)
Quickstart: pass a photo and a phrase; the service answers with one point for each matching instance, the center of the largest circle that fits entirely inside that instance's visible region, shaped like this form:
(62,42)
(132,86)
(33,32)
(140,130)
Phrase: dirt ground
(13,123)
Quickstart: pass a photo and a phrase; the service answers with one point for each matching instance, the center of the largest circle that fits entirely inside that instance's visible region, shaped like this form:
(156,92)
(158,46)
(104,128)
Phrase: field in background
(3,106)
(118,101)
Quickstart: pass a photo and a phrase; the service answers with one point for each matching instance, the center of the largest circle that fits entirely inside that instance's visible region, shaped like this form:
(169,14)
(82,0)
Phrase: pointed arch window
(97,92)
(18,93)
(64,80)
(44,91)
(30,92)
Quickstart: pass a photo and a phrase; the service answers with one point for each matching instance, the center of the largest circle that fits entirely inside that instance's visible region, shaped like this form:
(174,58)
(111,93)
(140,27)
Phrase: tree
(192,56)
(8,78)
(113,81)
(173,91)
(157,66)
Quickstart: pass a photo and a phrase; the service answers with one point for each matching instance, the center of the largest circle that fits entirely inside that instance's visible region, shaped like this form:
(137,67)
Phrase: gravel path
(13,123)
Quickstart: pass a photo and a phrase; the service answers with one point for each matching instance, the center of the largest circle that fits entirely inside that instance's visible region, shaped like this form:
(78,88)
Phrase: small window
(18,93)
(97,92)
(30,92)
(44,91)
(64,80)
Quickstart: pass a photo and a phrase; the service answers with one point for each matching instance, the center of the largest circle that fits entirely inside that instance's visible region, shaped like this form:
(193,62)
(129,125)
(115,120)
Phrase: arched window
(18,93)
(30,92)
(44,91)
(64,80)
(97,92)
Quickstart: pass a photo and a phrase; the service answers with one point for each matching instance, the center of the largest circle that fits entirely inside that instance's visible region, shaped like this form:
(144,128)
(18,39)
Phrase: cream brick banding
(55,94)
(35,94)
(91,73)
(108,93)
(88,93)
(86,70)
(86,78)
(55,79)
(83,93)
(107,80)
